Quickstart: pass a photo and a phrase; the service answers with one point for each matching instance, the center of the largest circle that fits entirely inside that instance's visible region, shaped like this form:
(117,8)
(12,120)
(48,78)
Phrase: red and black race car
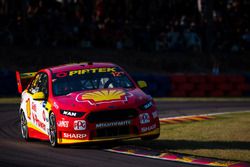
(85,102)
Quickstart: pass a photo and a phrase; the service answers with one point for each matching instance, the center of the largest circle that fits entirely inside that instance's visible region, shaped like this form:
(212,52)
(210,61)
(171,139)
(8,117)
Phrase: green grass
(203,99)
(12,100)
(226,137)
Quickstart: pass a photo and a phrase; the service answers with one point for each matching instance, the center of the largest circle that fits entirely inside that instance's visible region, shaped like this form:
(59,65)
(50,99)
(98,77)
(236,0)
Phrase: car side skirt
(36,133)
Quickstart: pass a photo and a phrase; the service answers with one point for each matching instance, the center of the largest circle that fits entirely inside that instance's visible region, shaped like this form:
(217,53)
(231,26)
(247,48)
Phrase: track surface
(14,151)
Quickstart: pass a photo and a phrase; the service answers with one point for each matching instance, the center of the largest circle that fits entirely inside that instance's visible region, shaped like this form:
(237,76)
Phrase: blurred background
(175,45)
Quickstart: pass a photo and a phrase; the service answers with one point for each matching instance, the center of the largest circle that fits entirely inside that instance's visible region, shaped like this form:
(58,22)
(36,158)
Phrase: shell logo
(103,95)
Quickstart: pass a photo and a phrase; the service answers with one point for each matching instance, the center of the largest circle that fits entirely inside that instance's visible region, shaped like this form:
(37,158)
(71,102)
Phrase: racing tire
(24,127)
(52,130)
(146,138)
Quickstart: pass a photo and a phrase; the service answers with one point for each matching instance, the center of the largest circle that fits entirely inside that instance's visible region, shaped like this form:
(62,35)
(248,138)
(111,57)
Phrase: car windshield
(89,79)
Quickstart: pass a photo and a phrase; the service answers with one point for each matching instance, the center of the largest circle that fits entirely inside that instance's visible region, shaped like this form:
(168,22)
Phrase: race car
(85,102)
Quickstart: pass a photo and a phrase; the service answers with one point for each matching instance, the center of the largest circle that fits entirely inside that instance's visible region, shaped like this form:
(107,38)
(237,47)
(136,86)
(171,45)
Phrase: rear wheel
(24,127)
(52,130)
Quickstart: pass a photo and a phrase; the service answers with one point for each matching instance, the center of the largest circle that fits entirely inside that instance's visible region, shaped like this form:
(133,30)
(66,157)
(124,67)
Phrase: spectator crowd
(145,25)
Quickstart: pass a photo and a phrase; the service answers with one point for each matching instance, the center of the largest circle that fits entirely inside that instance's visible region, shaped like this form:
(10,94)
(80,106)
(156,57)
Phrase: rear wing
(23,80)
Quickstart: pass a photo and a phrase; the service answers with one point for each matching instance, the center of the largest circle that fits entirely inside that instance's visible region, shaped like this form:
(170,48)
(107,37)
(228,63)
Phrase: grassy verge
(203,99)
(226,137)
(12,100)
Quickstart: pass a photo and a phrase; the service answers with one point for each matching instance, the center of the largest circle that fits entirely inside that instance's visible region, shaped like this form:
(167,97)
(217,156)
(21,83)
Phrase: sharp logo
(149,128)
(74,135)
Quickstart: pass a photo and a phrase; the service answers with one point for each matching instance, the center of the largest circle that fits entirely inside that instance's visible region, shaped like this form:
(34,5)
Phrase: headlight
(72,113)
(147,105)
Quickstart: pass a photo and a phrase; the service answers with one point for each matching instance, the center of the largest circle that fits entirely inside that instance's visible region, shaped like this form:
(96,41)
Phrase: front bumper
(75,141)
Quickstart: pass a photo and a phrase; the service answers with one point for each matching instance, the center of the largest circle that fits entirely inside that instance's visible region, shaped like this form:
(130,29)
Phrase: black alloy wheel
(52,130)
(24,126)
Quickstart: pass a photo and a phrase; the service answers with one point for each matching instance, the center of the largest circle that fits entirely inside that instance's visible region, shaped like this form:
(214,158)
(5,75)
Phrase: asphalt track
(14,151)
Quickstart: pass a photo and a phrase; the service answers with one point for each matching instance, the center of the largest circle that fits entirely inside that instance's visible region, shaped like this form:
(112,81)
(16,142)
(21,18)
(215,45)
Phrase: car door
(36,109)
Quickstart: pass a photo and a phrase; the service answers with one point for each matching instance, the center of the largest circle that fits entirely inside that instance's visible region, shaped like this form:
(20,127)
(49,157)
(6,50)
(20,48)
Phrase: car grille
(112,115)
(115,131)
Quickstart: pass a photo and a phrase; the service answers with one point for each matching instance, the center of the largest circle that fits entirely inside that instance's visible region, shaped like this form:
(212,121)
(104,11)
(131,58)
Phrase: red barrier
(205,87)
(243,87)
(179,94)
(178,78)
(186,86)
(198,93)
(217,78)
(235,93)
(196,79)
(209,85)
(216,93)
(225,86)
(237,79)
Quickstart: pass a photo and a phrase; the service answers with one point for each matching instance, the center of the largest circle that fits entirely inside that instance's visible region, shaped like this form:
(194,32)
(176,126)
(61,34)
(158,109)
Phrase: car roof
(77,66)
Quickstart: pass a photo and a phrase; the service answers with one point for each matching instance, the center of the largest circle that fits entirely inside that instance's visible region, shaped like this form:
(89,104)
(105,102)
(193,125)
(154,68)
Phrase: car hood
(101,99)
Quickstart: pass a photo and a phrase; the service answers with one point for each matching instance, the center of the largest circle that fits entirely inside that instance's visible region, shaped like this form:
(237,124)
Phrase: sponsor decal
(74,135)
(55,105)
(33,106)
(44,116)
(72,113)
(85,71)
(113,124)
(79,125)
(155,114)
(69,113)
(144,118)
(146,106)
(37,122)
(28,108)
(91,70)
(117,74)
(46,105)
(148,128)
(63,124)
(103,96)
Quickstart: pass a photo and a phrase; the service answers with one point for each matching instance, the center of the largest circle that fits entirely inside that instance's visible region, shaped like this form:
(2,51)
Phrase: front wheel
(52,130)
(24,127)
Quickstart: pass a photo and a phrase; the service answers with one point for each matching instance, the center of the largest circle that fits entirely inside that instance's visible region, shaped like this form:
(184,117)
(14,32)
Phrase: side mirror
(142,84)
(38,96)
